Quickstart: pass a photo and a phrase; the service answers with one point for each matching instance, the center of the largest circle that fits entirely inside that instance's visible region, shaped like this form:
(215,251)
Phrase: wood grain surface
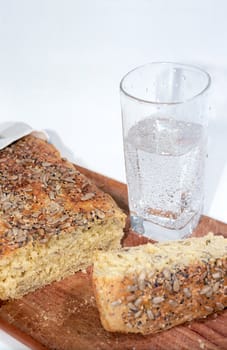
(63,315)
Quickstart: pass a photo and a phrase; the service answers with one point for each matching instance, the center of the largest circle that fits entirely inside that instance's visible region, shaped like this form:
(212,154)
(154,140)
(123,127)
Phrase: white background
(61,63)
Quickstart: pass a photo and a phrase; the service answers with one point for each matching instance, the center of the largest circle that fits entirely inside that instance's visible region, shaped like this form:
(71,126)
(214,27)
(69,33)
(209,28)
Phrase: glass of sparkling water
(164,114)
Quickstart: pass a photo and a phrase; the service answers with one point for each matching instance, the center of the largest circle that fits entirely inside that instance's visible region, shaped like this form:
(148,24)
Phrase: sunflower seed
(141,280)
(138,314)
(14,177)
(58,187)
(142,275)
(204,275)
(219,263)
(52,195)
(6,205)
(168,286)
(87,196)
(116,303)
(187,292)
(131,297)
(206,290)
(84,185)
(220,306)
(138,302)
(129,325)
(217,275)
(176,285)
(209,308)
(167,274)
(216,287)
(173,303)
(100,214)
(150,315)
(64,218)
(132,288)
(132,307)
(44,179)
(157,300)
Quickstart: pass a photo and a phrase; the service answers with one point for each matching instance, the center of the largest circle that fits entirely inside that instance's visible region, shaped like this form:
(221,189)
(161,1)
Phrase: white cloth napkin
(13,131)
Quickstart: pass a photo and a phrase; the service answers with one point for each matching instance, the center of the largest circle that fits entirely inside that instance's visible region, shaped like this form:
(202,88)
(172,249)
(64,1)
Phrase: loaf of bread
(52,218)
(153,287)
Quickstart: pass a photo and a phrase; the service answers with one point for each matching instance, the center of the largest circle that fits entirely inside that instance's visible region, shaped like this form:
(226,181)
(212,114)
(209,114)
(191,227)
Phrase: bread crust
(42,194)
(147,301)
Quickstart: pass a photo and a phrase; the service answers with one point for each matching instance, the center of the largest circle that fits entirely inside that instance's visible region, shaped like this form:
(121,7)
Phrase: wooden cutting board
(63,315)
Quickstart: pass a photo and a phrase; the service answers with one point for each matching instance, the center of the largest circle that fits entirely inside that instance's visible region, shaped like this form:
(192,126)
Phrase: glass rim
(183,65)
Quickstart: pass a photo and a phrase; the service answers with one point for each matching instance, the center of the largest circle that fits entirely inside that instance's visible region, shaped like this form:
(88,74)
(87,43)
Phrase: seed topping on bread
(35,182)
(156,286)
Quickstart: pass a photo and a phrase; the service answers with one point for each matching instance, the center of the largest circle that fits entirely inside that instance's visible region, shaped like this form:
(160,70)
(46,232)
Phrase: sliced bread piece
(153,287)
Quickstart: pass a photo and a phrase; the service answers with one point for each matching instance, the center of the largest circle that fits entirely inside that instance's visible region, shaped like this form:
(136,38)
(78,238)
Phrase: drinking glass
(164,117)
